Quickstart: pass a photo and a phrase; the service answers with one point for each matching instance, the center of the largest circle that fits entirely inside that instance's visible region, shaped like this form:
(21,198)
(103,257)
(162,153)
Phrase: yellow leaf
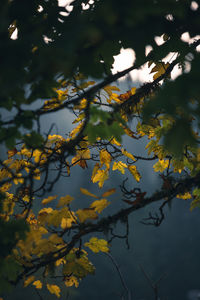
(86,213)
(108,192)
(105,158)
(86,192)
(94,172)
(12,152)
(97,245)
(66,223)
(161,165)
(65,200)
(49,199)
(80,157)
(184,196)
(72,280)
(135,173)
(119,166)
(160,69)
(28,280)
(100,177)
(115,142)
(37,284)
(108,89)
(76,130)
(47,210)
(54,289)
(26,198)
(60,261)
(127,154)
(37,154)
(99,205)
(80,118)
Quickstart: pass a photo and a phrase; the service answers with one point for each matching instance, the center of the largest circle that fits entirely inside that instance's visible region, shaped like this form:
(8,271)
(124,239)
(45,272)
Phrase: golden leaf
(86,192)
(49,199)
(119,166)
(97,245)
(100,177)
(86,213)
(105,158)
(184,196)
(76,130)
(12,152)
(135,173)
(54,289)
(160,69)
(28,280)
(115,142)
(65,200)
(72,280)
(94,172)
(127,154)
(108,192)
(37,284)
(161,165)
(66,223)
(99,205)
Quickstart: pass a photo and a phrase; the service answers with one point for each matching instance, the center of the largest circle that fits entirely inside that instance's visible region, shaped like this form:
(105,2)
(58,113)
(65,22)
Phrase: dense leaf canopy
(56,58)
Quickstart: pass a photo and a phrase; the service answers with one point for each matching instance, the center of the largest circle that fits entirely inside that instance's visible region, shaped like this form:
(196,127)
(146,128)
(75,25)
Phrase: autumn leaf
(66,222)
(65,200)
(108,192)
(127,154)
(54,289)
(37,284)
(133,170)
(78,267)
(119,166)
(105,158)
(161,165)
(86,192)
(12,152)
(100,177)
(94,172)
(80,158)
(99,205)
(97,245)
(86,214)
(184,196)
(29,280)
(76,130)
(70,281)
(160,69)
(49,199)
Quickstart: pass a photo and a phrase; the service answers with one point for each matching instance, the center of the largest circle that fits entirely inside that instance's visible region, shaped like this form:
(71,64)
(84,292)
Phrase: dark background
(170,251)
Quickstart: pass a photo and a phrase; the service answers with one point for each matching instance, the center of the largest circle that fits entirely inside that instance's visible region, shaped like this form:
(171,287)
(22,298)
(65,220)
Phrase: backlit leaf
(49,199)
(70,281)
(133,170)
(54,289)
(108,192)
(161,165)
(65,200)
(99,205)
(119,166)
(86,214)
(97,245)
(37,284)
(105,158)
(100,177)
(87,193)
(29,280)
